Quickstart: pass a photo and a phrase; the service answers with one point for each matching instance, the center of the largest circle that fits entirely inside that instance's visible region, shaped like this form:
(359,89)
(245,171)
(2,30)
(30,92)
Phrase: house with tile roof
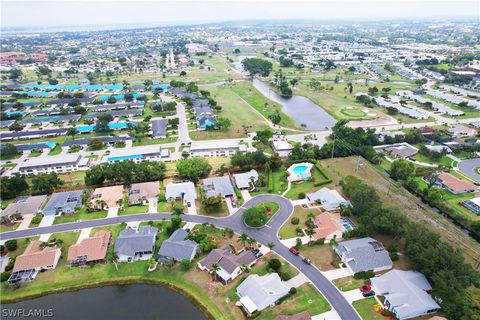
(454,184)
(25,206)
(90,250)
(328,226)
(106,197)
(142,193)
(34,259)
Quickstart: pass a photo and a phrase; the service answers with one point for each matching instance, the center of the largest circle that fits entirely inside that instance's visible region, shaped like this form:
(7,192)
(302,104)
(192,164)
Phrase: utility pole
(333,148)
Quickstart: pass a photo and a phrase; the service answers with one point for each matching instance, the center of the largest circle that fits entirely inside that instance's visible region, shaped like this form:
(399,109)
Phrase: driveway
(264,236)
(47,220)
(25,223)
(467,167)
(353,295)
(112,212)
(337,273)
(152,205)
(245,195)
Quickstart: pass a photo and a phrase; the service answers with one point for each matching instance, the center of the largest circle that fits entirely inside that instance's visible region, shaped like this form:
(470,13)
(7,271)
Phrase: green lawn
(133,210)
(5,228)
(221,212)
(348,283)
(446,161)
(82,215)
(365,308)
(259,102)
(55,150)
(306,186)
(279,183)
(289,230)
(35,153)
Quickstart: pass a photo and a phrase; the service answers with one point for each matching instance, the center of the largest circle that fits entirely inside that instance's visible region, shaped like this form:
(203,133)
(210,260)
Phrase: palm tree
(213,270)
(243,239)
(310,231)
(112,256)
(251,242)
(271,245)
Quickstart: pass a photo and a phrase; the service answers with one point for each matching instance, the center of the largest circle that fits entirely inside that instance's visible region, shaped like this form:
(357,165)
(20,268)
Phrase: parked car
(255,251)
(294,251)
(366,288)
(307,261)
(258,255)
(368,293)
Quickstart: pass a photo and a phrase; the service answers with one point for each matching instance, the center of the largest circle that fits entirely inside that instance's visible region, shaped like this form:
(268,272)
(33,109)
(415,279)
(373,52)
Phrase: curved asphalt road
(467,167)
(264,236)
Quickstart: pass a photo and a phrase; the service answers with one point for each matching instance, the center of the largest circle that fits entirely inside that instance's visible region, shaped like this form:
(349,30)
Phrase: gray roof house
(24,206)
(229,263)
(63,202)
(245,180)
(329,199)
(185,190)
(159,128)
(406,293)
(363,255)
(134,245)
(218,186)
(177,248)
(259,292)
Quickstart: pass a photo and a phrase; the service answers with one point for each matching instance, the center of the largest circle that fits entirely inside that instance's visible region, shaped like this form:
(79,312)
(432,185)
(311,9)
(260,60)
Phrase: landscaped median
(259,215)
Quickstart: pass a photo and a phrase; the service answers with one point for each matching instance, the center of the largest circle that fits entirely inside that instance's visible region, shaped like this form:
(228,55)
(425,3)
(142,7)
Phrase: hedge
(270,180)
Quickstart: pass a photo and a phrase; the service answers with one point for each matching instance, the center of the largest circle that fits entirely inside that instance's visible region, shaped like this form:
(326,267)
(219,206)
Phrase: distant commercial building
(216,148)
(58,164)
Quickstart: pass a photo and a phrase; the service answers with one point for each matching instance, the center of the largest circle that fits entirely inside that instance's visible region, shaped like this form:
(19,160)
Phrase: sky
(33,13)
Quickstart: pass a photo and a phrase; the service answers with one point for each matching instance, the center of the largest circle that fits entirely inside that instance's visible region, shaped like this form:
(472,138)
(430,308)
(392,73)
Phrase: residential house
(460,130)
(159,128)
(246,180)
(406,293)
(473,205)
(33,260)
(230,264)
(454,184)
(363,254)
(90,250)
(177,247)
(282,147)
(25,206)
(218,186)
(134,245)
(184,191)
(142,193)
(329,199)
(107,197)
(328,226)
(259,292)
(63,202)
(398,150)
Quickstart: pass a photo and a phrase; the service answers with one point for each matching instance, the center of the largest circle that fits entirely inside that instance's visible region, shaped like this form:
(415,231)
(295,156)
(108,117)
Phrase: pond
(302,110)
(134,301)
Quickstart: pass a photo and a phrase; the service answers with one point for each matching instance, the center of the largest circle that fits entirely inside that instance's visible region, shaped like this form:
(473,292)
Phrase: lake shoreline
(117,282)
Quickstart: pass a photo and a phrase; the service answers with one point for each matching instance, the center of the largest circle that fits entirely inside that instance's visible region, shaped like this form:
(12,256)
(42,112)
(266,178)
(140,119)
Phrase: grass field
(394,195)
(82,215)
(365,308)
(289,230)
(322,256)
(259,102)
(133,210)
(348,283)
(243,118)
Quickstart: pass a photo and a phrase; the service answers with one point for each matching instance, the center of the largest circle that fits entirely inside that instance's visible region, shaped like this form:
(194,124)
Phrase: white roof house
(406,293)
(282,147)
(185,190)
(329,199)
(259,292)
(245,179)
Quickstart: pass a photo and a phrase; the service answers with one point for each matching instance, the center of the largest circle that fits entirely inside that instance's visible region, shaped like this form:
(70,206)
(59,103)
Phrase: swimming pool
(300,169)
(128,157)
(164,87)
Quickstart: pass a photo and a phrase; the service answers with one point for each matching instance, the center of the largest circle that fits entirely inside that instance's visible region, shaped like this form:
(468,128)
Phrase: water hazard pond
(134,301)
(302,110)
